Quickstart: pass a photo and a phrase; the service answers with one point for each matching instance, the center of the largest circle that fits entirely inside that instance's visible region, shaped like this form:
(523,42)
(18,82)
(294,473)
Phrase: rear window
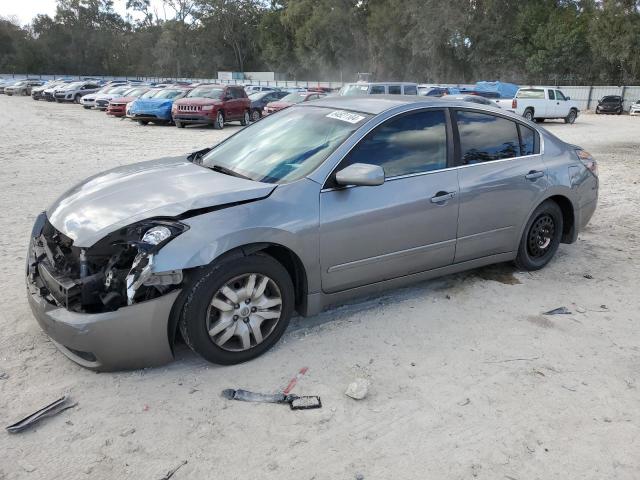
(484,138)
(532,93)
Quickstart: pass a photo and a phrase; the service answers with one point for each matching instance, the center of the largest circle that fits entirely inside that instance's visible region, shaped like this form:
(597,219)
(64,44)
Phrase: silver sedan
(307,208)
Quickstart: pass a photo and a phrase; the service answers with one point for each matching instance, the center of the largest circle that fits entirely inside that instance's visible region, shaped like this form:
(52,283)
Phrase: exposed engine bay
(115,272)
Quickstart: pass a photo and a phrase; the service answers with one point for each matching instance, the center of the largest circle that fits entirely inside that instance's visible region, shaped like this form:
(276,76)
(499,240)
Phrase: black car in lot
(260,99)
(610,104)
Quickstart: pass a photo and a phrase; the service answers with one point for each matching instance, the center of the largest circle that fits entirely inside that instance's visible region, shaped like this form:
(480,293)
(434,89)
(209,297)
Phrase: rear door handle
(534,175)
(442,197)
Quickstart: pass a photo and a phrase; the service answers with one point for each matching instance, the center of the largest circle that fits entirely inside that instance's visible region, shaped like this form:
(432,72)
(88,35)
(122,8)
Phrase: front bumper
(194,118)
(116,110)
(130,337)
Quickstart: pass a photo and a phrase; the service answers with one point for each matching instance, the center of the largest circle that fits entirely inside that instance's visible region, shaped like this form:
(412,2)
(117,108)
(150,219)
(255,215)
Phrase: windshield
(151,93)
(134,92)
(168,93)
(207,92)
(611,99)
(355,89)
(285,147)
(259,95)
(294,97)
(73,85)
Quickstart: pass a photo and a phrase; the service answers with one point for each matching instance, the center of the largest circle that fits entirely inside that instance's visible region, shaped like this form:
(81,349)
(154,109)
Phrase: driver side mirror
(567,98)
(226,98)
(361,174)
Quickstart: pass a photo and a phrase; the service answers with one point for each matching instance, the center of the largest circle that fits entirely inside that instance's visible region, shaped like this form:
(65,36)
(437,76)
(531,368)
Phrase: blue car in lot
(157,109)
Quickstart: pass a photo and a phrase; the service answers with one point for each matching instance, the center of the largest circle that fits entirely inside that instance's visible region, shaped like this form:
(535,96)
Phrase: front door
(404,226)
(502,178)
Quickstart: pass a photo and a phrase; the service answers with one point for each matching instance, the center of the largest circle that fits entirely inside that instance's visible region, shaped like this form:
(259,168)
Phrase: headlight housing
(207,108)
(156,235)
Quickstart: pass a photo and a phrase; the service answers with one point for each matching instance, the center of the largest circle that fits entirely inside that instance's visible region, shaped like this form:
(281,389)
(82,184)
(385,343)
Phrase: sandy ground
(468,379)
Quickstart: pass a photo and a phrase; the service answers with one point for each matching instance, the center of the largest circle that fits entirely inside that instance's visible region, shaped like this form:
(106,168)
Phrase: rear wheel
(541,237)
(143,122)
(77,98)
(571,118)
(255,115)
(238,309)
(246,119)
(528,114)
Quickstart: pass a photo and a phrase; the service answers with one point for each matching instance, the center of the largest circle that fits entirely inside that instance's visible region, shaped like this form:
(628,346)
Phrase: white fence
(586,96)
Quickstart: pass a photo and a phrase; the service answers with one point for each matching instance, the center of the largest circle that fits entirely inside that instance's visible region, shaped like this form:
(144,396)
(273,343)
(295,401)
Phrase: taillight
(514,103)
(588,161)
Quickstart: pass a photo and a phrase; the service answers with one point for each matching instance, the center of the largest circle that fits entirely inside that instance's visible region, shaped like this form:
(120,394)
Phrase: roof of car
(376,104)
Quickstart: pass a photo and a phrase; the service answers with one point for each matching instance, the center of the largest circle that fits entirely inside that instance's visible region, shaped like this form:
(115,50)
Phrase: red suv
(212,105)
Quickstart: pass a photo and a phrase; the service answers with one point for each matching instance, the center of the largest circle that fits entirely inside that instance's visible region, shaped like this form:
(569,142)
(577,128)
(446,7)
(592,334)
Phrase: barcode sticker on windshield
(345,116)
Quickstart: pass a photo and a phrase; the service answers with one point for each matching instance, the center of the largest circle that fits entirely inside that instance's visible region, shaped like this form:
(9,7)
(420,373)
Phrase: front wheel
(143,122)
(219,123)
(541,237)
(237,310)
(77,98)
(571,118)
(179,124)
(246,119)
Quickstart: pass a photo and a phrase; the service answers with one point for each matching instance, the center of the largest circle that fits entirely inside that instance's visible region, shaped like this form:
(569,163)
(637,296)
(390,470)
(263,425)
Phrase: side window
(560,95)
(377,90)
(527,140)
(551,95)
(395,90)
(485,137)
(410,90)
(412,143)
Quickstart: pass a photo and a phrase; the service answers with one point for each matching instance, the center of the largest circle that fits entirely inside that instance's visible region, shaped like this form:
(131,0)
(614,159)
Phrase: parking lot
(468,378)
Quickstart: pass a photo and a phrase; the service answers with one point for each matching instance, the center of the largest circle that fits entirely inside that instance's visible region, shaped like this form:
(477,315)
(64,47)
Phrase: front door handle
(534,175)
(442,197)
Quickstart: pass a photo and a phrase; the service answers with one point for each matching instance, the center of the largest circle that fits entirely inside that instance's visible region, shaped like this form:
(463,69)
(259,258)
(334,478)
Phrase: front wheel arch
(283,255)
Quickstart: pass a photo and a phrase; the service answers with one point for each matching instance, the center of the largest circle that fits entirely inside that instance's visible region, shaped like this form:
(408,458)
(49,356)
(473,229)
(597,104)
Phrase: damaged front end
(114,272)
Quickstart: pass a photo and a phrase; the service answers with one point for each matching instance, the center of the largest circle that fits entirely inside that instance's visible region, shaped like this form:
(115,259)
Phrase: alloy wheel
(255,116)
(541,236)
(244,312)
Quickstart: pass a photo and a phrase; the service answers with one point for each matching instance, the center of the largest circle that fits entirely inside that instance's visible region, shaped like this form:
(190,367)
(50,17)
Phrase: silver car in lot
(310,207)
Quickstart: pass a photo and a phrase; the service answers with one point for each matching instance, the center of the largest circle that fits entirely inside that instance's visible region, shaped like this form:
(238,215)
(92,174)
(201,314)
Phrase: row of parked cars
(178,103)
(183,103)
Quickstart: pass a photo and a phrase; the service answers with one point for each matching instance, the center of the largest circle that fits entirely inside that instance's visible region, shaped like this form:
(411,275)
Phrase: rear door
(404,226)
(502,178)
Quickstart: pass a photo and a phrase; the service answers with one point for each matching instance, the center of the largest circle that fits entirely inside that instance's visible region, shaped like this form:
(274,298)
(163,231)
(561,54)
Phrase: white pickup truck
(540,103)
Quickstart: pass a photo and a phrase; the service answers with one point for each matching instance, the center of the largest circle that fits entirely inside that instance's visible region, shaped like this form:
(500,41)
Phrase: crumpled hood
(160,188)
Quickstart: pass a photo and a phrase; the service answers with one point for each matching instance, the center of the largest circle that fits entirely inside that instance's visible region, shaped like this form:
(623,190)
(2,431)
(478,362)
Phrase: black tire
(255,115)
(539,120)
(246,118)
(179,124)
(143,122)
(545,224)
(528,114)
(597,111)
(77,98)
(571,118)
(219,123)
(193,319)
